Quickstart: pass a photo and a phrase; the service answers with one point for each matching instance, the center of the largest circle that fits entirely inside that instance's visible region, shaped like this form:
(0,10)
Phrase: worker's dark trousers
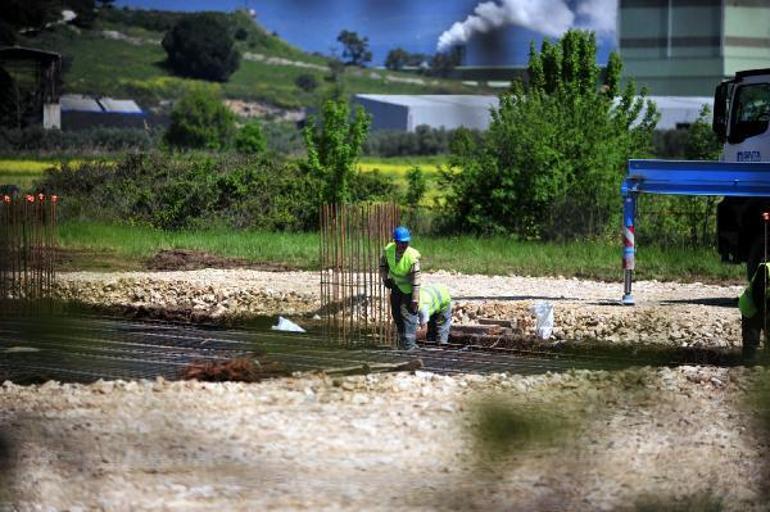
(406,321)
(751,329)
(439,325)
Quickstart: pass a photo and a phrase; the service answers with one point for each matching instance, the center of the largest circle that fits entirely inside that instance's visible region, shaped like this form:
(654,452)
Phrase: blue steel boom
(684,177)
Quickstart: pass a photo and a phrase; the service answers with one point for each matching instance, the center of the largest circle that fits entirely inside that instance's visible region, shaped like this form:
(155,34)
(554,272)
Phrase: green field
(397,167)
(22,173)
(114,247)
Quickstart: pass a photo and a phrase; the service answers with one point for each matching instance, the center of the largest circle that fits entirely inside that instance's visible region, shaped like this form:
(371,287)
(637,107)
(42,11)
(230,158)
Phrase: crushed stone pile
(673,314)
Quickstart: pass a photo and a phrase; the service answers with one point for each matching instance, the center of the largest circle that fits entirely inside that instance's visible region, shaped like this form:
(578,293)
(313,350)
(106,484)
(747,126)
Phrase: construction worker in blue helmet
(400,272)
(436,312)
(753,304)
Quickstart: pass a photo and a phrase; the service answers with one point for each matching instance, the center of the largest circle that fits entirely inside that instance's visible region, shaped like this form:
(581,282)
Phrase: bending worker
(436,311)
(400,272)
(754,308)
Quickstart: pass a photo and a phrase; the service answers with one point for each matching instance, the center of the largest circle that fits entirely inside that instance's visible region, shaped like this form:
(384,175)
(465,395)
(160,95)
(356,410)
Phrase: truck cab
(742,121)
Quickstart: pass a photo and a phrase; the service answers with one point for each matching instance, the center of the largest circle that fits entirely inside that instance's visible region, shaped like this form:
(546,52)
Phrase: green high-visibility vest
(399,270)
(746,301)
(435,297)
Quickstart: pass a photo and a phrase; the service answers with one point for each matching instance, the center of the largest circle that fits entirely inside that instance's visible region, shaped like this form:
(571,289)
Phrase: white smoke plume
(548,17)
(598,15)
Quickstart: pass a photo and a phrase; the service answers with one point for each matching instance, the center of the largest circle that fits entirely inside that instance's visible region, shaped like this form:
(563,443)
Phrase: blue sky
(414,25)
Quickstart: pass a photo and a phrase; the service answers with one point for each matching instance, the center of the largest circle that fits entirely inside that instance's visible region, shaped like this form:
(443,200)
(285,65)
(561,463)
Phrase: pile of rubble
(672,314)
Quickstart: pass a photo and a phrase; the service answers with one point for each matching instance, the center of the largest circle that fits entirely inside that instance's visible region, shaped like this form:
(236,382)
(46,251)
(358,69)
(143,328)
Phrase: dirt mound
(242,369)
(184,259)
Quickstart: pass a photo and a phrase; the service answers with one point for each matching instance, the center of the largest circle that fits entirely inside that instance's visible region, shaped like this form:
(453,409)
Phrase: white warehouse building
(405,112)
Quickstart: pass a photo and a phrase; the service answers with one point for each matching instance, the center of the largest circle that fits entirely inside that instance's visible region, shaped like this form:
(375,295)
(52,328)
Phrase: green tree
(250,139)
(85,10)
(416,186)
(21,14)
(551,164)
(333,146)
(201,46)
(306,82)
(201,120)
(442,64)
(354,48)
(680,219)
(335,77)
(397,58)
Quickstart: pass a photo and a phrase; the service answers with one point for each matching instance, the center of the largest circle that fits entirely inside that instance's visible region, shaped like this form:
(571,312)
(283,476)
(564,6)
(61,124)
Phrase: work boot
(749,354)
(751,329)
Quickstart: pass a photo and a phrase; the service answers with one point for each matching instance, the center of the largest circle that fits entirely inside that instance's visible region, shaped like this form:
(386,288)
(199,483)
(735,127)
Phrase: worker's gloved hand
(389,284)
(413,307)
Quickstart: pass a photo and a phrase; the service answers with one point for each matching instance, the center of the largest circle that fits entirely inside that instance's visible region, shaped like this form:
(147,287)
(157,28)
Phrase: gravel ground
(640,439)
(656,438)
(671,314)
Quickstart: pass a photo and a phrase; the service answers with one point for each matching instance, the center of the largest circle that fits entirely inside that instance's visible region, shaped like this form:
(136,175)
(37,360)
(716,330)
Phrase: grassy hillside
(121,56)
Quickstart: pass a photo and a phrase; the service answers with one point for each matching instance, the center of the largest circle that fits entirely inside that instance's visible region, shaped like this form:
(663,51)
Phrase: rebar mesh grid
(27,247)
(354,302)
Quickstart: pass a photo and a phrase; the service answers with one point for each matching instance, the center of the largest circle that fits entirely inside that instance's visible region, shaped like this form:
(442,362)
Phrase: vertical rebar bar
(353,300)
(27,249)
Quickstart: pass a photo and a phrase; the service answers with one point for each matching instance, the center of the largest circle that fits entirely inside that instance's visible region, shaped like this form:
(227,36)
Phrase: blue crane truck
(742,175)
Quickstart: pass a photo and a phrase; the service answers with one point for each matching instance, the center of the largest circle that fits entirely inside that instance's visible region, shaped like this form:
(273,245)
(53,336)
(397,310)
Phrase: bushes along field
(197,190)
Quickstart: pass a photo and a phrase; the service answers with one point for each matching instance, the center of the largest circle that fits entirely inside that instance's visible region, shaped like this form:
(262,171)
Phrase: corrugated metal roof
(675,111)
(79,103)
(433,100)
(120,106)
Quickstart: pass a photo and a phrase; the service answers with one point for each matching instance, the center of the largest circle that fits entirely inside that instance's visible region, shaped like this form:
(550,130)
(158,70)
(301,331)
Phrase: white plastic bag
(286,325)
(543,319)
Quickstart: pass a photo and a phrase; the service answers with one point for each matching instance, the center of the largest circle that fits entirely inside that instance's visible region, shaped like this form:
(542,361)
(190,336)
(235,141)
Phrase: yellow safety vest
(435,297)
(746,301)
(399,270)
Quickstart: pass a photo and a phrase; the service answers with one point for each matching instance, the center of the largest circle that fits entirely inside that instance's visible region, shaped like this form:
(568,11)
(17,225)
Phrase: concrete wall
(686,47)
(84,120)
(51,116)
(385,116)
(672,48)
(449,117)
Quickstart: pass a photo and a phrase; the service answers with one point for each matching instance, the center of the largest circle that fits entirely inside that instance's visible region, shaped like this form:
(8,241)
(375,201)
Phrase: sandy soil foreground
(661,438)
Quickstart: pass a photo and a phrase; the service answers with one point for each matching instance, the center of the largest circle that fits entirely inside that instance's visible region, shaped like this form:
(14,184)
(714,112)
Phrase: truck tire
(755,257)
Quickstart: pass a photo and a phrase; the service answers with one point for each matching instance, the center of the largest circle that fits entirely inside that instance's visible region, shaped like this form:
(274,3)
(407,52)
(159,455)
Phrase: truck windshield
(751,112)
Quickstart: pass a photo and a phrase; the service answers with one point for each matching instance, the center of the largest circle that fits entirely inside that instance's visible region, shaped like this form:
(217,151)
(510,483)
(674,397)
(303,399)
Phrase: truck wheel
(756,254)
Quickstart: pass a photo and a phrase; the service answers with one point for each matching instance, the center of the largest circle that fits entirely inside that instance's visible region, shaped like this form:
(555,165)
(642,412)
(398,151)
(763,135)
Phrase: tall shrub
(683,220)
(552,161)
(250,138)
(334,144)
(201,120)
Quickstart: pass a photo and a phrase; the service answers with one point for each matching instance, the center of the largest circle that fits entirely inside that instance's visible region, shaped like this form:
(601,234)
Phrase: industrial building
(402,112)
(677,112)
(686,47)
(405,112)
(79,112)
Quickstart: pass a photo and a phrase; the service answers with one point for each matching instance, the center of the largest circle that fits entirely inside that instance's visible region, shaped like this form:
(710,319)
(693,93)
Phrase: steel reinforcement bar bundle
(27,247)
(354,302)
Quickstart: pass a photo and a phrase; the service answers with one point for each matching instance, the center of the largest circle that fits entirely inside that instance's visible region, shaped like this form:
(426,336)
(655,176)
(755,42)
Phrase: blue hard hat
(401,234)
